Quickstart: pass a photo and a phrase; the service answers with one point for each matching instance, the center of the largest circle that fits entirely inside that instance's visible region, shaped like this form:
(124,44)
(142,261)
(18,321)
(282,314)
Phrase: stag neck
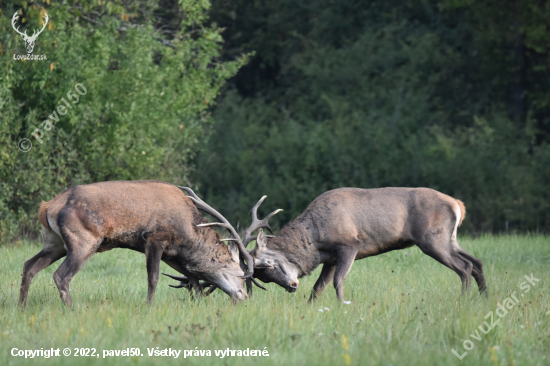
(297,244)
(203,206)
(205,253)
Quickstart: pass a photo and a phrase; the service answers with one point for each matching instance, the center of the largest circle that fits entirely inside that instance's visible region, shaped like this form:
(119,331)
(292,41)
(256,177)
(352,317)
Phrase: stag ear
(233,251)
(261,242)
(261,245)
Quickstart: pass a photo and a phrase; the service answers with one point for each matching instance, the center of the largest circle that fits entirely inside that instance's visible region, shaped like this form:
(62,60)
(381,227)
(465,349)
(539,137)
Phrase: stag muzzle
(239,295)
(293,286)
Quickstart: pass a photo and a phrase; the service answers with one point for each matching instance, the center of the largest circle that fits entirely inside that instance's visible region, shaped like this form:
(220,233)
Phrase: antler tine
(254,210)
(203,206)
(256,237)
(257,223)
(221,224)
(257,284)
(210,290)
(179,278)
(228,239)
(190,191)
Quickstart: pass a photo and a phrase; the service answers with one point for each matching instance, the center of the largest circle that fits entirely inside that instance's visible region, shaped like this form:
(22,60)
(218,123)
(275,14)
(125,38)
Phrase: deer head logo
(29,41)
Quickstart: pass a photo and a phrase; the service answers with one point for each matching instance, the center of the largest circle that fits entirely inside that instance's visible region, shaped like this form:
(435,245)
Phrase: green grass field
(406,310)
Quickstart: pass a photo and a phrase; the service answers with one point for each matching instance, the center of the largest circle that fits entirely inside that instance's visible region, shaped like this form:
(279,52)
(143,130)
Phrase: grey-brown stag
(346,224)
(150,217)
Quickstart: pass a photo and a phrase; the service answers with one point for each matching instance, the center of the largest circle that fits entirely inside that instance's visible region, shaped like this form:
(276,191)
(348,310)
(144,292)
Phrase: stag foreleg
(153,255)
(196,287)
(202,286)
(344,260)
(185,282)
(327,274)
(249,288)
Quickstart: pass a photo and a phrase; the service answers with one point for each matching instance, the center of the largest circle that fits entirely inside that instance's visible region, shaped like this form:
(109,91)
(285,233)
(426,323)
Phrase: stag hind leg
(81,246)
(53,250)
(447,255)
(477,270)
(327,274)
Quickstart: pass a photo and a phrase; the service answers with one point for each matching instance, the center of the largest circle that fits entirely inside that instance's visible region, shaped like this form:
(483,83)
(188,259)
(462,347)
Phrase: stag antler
(184,282)
(203,206)
(257,223)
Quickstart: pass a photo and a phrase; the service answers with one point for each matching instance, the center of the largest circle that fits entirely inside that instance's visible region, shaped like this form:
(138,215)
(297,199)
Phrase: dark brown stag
(150,217)
(346,224)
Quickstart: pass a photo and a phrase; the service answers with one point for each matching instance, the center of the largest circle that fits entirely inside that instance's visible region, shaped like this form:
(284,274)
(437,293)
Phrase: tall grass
(406,310)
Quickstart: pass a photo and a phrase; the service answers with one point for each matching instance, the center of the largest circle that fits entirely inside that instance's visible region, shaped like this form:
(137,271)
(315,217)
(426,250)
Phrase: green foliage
(514,40)
(143,115)
(405,309)
(369,95)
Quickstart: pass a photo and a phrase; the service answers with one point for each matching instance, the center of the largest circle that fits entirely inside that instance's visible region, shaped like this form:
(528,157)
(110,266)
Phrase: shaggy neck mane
(293,242)
(204,244)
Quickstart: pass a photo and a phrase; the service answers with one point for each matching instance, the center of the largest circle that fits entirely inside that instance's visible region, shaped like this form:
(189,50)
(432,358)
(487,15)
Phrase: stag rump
(150,217)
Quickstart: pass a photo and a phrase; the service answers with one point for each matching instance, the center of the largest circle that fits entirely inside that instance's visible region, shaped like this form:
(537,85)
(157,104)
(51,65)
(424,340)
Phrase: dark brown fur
(346,224)
(150,217)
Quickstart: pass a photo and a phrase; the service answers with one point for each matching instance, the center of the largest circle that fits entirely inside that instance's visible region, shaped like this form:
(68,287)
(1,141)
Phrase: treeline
(452,95)
(449,94)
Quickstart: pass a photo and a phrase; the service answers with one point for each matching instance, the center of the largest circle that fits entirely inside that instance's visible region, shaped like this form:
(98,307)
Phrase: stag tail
(462,211)
(43,215)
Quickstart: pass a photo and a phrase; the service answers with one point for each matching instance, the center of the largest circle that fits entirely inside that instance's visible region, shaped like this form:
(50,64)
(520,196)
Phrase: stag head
(29,40)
